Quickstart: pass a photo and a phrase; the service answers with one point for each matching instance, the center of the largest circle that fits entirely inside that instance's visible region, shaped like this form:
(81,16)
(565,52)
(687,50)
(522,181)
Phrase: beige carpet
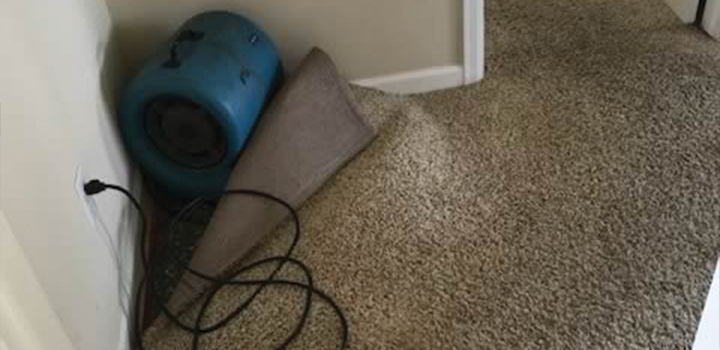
(571,200)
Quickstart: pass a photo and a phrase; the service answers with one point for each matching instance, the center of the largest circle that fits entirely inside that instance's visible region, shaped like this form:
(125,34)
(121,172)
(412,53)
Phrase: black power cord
(94,187)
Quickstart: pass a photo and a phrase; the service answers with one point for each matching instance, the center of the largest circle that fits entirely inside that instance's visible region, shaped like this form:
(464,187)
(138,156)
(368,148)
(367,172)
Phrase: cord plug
(94,187)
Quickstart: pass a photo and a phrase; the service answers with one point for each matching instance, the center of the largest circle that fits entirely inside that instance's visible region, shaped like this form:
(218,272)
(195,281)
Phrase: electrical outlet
(88,202)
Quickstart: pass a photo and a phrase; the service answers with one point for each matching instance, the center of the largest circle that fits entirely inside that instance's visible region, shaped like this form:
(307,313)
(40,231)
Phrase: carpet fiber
(571,200)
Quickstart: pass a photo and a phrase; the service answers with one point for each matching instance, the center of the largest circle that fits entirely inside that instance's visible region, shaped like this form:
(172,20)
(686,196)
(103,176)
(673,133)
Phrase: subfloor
(571,200)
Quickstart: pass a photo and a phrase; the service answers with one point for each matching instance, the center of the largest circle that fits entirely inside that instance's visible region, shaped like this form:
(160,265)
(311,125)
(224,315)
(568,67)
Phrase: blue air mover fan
(187,115)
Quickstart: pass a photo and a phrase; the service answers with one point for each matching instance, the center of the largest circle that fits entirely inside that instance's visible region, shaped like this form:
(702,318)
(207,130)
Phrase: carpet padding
(571,200)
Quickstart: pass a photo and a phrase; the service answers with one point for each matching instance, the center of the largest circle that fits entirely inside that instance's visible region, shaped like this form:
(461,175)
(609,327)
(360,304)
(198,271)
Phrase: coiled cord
(94,187)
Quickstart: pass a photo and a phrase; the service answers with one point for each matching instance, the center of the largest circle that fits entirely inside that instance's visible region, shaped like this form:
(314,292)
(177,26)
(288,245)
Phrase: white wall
(685,9)
(708,333)
(711,18)
(367,38)
(27,321)
(57,81)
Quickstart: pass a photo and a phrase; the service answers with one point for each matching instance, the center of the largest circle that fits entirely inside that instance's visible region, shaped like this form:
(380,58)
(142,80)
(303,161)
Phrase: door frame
(473,40)
(711,18)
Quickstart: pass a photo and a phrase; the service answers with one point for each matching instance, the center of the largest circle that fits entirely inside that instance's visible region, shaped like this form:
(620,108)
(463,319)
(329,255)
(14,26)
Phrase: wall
(27,321)
(685,9)
(711,18)
(708,333)
(367,38)
(57,85)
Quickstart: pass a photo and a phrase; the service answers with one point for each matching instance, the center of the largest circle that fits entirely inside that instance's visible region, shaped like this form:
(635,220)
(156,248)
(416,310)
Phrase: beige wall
(685,9)
(367,38)
(57,83)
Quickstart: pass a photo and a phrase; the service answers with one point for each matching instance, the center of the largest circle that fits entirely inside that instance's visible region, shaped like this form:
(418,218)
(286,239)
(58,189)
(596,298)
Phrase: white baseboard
(444,77)
(417,81)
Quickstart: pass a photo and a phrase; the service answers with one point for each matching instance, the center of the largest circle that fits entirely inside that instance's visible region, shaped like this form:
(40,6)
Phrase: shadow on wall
(113,77)
(137,37)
